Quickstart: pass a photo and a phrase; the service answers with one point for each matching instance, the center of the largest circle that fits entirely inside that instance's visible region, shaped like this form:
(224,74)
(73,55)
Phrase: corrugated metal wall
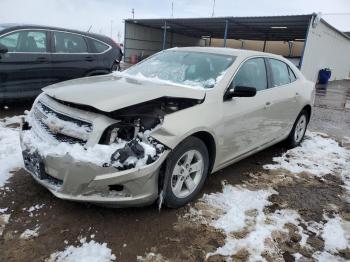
(325,47)
(141,40)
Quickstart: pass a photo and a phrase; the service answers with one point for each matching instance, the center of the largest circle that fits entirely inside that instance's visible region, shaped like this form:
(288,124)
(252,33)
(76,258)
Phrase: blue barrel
(323,76)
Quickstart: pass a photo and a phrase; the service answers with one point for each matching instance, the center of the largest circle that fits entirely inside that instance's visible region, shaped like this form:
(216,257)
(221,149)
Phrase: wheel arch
(209,141)
(308,109)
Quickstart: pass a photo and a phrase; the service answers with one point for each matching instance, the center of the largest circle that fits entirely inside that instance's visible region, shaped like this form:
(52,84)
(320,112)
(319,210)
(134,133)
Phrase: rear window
(99,46)
(280,73)
(69,43)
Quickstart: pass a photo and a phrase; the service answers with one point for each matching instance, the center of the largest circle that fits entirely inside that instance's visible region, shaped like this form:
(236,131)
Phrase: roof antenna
(89,28)
(213,13)
(133,13)
(172,8)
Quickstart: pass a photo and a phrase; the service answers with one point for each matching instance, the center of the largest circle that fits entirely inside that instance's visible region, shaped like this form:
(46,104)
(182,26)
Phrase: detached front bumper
(74,180)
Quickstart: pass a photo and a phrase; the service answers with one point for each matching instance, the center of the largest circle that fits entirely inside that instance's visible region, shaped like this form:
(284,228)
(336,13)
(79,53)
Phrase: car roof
(4,28)
(225,51)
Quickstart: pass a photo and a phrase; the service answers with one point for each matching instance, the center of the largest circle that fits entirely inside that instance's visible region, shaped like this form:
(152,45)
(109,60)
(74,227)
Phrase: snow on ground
(4,219)
(336,234)
(244,221)
(10,150)
(87,252)
(151,257)
(326,257)
(33,209)
(319,155)
(30,233)
(240,211)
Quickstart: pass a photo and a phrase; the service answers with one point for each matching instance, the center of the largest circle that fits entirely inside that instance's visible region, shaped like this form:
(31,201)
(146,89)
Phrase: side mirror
(239,91)
(3,49)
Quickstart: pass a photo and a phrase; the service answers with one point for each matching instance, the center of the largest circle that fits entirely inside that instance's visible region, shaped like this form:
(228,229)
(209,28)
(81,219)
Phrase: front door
(245,120)
(25,68)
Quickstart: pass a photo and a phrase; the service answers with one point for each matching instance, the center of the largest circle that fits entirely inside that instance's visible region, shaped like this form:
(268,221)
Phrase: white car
(159,128)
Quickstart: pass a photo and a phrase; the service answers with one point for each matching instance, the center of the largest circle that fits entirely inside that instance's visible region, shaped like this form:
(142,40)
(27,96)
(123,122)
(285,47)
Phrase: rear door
(70,57)
(26,68)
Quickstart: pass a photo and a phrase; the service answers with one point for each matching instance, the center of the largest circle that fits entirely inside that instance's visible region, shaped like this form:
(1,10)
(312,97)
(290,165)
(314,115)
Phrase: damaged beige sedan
(159,128)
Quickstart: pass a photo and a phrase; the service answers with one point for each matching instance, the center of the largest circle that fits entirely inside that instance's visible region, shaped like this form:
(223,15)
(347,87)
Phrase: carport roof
(273,28)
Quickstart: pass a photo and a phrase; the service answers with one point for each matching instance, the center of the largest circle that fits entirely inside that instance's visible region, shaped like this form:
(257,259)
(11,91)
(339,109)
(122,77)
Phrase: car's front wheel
(186,171)
(299,128)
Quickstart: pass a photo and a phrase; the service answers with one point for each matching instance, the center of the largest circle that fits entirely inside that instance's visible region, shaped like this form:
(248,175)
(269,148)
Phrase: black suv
(32,57)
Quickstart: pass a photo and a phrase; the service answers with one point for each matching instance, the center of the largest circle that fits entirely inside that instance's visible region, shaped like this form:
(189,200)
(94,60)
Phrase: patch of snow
(10,150)
(327,257)
(141,77)
(34,208)
(3,210)
(87,252)
(151,257)
(318,155)
(336,234)
(244,200)
(4,219)
(66,127)
(243,212)
(30,233)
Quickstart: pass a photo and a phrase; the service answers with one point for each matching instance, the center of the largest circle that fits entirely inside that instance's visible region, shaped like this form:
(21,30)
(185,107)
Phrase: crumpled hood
(111,92)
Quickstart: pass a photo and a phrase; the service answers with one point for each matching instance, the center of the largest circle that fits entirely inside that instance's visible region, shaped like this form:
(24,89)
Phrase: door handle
(42,59)
(89,58)
(267,105)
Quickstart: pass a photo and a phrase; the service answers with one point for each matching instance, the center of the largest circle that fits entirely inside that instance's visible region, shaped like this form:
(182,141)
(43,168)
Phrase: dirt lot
(134,232)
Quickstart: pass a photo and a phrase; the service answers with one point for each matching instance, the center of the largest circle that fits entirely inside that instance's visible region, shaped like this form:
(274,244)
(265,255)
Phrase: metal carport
(262,28)
(143,37)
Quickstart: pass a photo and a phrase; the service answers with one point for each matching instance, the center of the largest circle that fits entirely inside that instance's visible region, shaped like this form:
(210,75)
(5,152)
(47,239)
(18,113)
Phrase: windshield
(195,69)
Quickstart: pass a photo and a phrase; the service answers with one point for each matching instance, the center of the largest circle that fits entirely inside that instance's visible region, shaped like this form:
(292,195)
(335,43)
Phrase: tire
(182,183)
(115,67)
(297,134)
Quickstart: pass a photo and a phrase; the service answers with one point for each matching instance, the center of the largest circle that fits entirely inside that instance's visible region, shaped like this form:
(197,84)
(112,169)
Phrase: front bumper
(74,180)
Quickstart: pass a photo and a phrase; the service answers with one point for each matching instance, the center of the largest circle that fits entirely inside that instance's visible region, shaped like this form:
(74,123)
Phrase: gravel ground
(136,232)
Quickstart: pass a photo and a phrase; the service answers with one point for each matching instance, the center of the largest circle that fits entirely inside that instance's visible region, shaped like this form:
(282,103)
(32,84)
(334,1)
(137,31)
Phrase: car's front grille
(56,125)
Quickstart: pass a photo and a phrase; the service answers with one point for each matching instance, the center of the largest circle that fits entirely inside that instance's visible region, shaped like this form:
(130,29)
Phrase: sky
(106,16)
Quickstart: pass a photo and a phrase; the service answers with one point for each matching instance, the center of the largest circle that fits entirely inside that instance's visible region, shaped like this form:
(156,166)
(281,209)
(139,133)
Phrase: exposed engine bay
(136,124)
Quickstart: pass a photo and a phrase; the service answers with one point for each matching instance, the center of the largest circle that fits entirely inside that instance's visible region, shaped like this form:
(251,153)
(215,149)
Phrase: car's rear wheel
(186,171)
(298,132)
(115,67)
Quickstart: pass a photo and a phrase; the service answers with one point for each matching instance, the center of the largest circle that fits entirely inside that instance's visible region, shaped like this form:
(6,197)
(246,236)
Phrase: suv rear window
(69,43)
(99,46)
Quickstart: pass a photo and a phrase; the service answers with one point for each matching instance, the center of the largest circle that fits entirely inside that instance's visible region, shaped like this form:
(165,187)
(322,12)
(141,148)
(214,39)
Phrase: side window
(69,43)
(292,76)
(10,41)
(99,46)
(280,73)
(25,41)
(252,73)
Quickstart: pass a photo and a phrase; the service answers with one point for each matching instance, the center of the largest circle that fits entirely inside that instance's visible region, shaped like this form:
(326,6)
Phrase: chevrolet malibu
(159,128)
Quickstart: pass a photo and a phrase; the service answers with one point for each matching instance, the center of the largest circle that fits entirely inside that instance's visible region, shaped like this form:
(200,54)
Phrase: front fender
(181,124)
